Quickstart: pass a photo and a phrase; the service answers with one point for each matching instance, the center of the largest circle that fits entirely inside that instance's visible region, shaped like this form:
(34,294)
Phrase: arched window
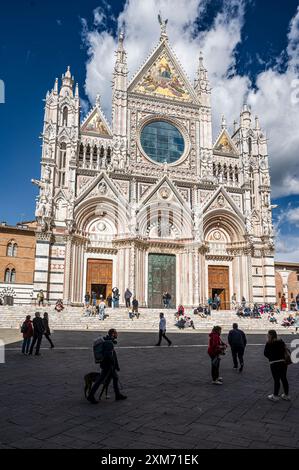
(214,169)
(250,145)
(7,276)
(12,249)
(61,167)
(88,152)
(13,276)
(65,116)
(10,276)
(225,171)
(109,155)
(219,169)
(236,174)
(95,154)
(231,173)
(81,153)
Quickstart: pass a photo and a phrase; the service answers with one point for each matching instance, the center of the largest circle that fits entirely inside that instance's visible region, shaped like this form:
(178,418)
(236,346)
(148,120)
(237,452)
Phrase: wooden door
(99,276)
(161,278)
(219,284)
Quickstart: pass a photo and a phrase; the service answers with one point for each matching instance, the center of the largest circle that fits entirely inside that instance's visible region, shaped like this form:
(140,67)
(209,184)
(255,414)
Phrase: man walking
(38,331)
(109,368)
(162,331)
(237,341)
(128,295)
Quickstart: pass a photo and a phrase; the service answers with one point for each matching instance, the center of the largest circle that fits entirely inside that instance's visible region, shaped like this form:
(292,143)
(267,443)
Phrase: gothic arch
(101,207)
(171,220)
(226,221)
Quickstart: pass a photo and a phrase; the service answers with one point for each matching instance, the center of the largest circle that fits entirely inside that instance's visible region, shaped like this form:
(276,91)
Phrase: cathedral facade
(151,202)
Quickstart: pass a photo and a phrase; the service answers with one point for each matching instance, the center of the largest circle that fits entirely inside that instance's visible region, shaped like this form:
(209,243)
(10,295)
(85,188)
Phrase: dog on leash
(90,379)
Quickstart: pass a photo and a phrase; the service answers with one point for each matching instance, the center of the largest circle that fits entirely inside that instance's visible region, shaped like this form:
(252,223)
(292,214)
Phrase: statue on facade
(163,25)
(43,211)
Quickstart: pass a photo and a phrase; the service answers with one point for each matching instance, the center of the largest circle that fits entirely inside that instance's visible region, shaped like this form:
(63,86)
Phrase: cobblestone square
(171,401)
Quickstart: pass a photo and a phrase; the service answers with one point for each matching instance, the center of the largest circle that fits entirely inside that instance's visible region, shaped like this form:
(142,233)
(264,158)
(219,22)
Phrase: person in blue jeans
(27,330)
(94,299)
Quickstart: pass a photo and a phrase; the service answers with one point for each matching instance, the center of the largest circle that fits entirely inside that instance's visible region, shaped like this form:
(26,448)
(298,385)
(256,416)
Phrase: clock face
(162,142)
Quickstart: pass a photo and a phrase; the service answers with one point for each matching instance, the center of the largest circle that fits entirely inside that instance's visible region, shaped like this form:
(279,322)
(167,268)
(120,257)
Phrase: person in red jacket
(216,348)
(27,330)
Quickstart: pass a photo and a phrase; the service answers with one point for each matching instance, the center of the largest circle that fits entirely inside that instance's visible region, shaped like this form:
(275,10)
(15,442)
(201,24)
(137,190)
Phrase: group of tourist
(275,351)
(97,306)
(40,300)
(33,332)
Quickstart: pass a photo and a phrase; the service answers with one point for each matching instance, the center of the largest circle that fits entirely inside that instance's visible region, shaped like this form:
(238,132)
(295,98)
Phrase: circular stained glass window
(162,142)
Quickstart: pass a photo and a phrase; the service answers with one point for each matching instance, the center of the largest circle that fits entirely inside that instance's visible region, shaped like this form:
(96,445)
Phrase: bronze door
(219,284)
(161,278)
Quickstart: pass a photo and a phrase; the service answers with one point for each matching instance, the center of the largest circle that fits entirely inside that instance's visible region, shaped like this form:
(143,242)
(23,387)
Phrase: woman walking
(27,330)
(276,352)
(216,348)
(47,332)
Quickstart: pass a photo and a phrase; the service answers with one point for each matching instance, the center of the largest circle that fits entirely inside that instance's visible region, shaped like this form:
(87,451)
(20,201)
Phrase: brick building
(17,260)
(286,281)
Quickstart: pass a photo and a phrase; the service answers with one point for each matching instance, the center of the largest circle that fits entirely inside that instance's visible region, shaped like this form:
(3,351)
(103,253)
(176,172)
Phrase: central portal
(219,284)
(161,278)
(99,277)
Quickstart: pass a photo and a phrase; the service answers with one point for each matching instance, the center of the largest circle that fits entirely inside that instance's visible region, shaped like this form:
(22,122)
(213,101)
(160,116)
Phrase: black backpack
(24,328)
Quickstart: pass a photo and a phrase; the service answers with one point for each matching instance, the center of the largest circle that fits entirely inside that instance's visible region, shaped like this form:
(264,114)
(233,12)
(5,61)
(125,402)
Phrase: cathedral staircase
(72,318)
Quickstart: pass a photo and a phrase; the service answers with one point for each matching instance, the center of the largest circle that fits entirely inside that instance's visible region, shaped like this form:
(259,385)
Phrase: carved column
(42,263)
(67,272)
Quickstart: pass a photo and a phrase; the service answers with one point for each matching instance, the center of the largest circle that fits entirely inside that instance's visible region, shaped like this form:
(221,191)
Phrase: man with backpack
(105,355)
(237,341)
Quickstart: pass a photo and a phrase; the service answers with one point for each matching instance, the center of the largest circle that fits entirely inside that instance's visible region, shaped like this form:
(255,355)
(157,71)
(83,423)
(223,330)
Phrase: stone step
(72,319)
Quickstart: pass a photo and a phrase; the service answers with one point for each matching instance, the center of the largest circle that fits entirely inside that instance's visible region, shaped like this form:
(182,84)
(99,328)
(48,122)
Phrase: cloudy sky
(251,51)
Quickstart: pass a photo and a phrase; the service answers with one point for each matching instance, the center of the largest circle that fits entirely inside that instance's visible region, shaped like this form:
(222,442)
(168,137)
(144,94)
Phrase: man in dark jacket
(109,368)
(237,341)
(38,331)
(128,295)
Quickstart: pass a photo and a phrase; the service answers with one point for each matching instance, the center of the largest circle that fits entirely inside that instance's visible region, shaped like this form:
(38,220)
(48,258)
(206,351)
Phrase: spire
(67,79)
(121,53)
(56,86)
(77,91)
(163,25)
(246,117)
(201,82)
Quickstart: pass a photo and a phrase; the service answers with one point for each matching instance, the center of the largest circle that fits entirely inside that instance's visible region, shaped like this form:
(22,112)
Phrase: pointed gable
(95,124)
(222,200)
(163,77)
(224,145)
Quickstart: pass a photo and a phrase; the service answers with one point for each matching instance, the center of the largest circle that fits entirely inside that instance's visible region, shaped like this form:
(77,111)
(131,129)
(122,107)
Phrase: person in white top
(102,307)
(162,331)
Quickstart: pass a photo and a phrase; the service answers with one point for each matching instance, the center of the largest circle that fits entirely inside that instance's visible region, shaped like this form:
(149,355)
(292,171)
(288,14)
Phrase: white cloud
(275,100)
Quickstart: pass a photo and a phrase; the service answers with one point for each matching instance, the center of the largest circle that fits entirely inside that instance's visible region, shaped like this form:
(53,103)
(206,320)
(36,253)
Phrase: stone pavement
(171,404)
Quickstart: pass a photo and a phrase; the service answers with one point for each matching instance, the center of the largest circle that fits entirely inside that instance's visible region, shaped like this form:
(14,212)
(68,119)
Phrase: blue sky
(38,39)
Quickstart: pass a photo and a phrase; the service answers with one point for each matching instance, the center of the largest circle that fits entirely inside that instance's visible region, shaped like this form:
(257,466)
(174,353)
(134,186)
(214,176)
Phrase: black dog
(89,380)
